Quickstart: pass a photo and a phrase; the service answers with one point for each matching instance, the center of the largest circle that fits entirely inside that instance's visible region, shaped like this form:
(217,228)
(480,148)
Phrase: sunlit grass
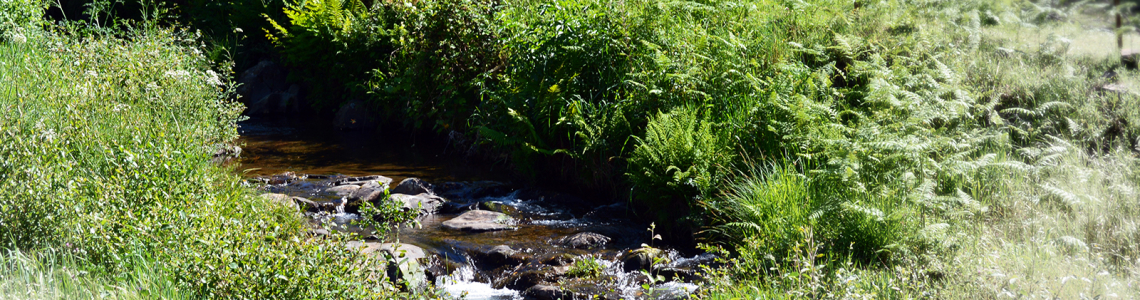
(54,275)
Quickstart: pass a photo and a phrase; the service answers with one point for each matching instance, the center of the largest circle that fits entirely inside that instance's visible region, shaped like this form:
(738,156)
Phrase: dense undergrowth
(106,139)
(832,149)
(859,134)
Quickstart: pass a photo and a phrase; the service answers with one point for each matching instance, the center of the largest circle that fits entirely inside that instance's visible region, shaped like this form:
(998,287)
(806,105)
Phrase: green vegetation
(814,139)
(105,147)
(831,149)
(585,266)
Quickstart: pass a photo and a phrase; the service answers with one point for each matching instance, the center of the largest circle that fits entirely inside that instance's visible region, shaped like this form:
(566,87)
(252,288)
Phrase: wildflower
(19,38)
(178,74)
(213,78)
(92,73)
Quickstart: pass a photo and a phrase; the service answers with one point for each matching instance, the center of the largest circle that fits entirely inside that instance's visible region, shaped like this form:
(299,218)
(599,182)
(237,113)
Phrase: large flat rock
(480,221)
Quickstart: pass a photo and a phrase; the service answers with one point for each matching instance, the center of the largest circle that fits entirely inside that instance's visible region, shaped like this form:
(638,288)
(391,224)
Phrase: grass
(106,138)
(50,274)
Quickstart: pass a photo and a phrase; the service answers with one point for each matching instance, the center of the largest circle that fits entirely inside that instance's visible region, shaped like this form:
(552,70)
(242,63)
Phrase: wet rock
(498,256)
(365,194)
(584,240)
(498,207)
(343,190)
(544,292)
(412,186)
(642,259)
(354,115)
(456,207)
(428,204)
(503,254)
(283,178)
(558,260)
(527,278)
(480,221)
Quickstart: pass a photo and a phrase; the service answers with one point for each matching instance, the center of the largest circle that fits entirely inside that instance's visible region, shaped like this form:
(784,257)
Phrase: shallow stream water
(464,264)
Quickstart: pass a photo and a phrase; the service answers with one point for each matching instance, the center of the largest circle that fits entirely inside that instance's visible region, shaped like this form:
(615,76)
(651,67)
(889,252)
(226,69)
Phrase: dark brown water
(311,146)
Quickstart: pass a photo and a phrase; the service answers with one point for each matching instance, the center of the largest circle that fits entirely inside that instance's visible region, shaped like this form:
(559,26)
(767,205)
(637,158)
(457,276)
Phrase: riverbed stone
(558,260)
(428,204)
(498,256)
(584,240)
(413,186)
(544,292)
(527,278)
(480,221)
(366,193)
(343,190)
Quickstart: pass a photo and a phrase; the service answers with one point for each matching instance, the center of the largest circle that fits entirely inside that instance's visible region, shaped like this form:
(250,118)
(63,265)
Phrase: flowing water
(468,265)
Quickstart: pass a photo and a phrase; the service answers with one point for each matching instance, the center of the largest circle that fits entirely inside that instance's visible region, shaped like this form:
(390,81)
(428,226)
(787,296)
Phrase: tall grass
(50,274)
(106,138)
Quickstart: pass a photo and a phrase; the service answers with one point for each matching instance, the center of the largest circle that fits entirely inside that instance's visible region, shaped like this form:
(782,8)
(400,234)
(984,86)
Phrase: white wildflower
(213,78)
(92,73)
(178,74)
(19,38)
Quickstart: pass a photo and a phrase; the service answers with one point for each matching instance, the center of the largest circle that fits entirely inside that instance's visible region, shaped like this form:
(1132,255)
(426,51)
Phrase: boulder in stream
(480,221)
(526,278)
(544,292)
(343,190)
(584,240)
(428,204)
(498,256)
(413,186)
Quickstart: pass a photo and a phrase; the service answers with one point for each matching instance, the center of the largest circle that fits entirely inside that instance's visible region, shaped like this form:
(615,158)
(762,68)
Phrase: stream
(481,236)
